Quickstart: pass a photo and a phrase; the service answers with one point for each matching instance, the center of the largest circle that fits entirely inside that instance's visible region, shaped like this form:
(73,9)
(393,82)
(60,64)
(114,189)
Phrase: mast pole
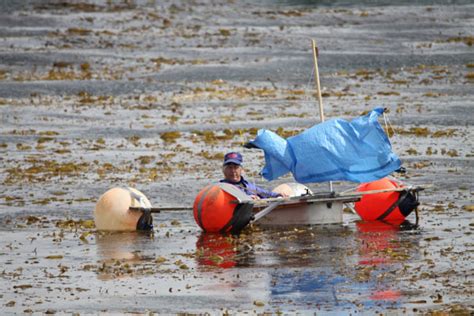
(318,87)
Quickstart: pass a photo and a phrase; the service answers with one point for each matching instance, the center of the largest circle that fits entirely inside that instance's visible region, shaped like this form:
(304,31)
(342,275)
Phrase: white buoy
(292,189)
(112,211)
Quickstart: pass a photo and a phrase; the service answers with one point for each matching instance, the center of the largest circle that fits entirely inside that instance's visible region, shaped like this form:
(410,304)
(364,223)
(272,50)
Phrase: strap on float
(417,215)
(240,218)
(403,195)
(145,222)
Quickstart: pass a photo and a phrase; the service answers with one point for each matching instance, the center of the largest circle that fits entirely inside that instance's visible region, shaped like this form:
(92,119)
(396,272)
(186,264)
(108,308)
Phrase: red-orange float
(222,208)
(392,206)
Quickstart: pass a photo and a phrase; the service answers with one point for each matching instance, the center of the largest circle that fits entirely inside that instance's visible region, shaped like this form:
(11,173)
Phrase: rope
(306,98)
(388,125)
(349,190)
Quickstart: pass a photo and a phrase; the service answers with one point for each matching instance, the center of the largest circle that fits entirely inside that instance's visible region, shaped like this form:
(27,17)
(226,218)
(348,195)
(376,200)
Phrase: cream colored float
(292,189)
(113,210)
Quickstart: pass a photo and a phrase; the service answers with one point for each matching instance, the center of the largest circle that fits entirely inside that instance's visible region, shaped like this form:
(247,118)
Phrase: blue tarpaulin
(337,149)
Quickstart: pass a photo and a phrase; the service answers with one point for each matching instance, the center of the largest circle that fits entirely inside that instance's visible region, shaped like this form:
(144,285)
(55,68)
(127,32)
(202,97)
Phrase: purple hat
(233,157)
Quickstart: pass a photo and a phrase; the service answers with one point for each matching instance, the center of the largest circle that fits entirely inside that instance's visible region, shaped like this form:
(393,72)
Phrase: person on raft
(232,169)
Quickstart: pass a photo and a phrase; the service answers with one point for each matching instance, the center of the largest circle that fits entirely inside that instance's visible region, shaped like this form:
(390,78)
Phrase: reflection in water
(308,258)
(386,295)
(117,251)
(377,239)
(121,245)
(380,246)
(312,266)
(315,264)
(313,287)
(223,251)
(305,246)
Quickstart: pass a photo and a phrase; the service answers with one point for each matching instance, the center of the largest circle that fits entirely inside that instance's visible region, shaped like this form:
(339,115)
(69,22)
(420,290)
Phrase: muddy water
(150,94)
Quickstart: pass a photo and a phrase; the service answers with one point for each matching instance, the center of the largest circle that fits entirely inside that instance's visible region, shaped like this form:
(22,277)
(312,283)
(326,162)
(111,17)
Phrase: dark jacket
(250,188)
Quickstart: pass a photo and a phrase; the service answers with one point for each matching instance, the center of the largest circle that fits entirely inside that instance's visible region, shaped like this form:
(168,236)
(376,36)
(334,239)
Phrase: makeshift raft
(225,208)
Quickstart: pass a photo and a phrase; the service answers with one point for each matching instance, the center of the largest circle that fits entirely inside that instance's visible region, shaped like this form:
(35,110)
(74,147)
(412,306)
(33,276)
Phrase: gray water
(88,89)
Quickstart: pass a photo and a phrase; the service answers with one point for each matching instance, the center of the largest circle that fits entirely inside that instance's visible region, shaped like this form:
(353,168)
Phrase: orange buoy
(222,208)
(387,206)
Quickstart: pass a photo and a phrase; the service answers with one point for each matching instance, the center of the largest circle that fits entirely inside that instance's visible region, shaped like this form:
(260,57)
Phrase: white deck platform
(307,210)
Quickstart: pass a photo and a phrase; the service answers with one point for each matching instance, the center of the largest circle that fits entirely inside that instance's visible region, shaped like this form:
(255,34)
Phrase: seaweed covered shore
(151,94)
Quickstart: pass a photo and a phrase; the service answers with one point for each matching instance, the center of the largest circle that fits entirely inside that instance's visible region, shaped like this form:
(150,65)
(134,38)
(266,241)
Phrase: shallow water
(89,90)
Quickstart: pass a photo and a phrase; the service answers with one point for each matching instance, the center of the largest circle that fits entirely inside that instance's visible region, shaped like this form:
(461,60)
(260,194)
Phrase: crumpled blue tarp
(337,149)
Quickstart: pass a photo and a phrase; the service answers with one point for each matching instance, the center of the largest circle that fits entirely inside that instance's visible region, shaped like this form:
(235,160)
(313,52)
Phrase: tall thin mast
(318,87)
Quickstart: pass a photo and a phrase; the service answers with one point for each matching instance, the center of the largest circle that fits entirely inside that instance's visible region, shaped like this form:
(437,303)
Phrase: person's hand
(255,197)
(284,195)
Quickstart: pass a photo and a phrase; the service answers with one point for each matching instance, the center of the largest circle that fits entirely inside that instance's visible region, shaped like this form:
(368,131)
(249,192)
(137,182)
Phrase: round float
(112,211)
(292,189)
(387,206)
(222,208)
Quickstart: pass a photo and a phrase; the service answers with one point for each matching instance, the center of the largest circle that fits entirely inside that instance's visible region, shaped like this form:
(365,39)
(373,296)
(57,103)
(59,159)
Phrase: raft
(224,208)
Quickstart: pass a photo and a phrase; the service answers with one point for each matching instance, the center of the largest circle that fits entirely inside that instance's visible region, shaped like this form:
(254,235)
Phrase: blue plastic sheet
(337,149)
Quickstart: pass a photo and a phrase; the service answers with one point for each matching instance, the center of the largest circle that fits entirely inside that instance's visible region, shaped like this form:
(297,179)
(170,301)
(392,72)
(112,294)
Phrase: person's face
(232,172)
